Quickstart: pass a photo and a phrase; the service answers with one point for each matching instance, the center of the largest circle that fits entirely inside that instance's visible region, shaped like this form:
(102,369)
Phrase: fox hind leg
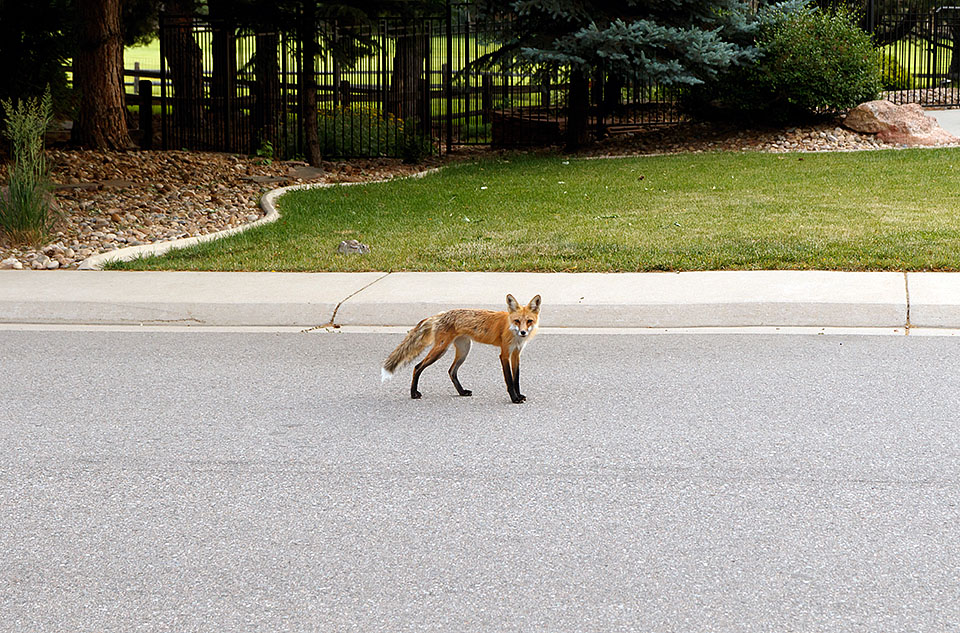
(462,343)
(432,356)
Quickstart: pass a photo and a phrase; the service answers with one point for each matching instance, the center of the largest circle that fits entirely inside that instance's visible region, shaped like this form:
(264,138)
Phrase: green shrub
(894,76)
(415,144)
(358,132)
(817,59)
(476,132)
(810,60)
(25,208)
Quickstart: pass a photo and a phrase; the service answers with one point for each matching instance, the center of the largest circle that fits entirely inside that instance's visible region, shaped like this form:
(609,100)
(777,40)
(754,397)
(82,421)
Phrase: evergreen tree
(670,42)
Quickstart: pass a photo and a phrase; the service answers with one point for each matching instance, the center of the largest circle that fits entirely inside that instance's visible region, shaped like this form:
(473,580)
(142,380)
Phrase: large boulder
(903,125)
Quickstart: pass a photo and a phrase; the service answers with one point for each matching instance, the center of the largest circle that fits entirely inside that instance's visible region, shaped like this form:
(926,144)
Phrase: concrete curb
(186,298)
(714,299)
(267,203)
(656,300)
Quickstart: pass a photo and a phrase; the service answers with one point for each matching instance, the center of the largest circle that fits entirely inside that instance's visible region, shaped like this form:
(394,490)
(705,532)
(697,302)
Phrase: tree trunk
(223,86)
(266,90)
(406,82)
(308,85)
(578,106)
(98,73)
(184,60)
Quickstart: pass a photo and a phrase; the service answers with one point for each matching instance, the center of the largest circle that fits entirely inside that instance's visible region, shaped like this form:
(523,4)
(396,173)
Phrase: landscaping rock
(901,125)
(116,199)
(353,246)
(11,263)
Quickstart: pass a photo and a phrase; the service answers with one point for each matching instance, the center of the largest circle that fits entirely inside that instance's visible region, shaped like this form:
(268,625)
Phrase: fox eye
(529,323)
(517,321)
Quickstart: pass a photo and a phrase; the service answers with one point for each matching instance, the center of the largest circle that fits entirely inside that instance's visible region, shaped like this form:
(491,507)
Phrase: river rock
(353,246)
(902,125)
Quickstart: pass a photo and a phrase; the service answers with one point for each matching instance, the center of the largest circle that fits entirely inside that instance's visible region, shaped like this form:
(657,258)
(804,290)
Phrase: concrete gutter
(643,300)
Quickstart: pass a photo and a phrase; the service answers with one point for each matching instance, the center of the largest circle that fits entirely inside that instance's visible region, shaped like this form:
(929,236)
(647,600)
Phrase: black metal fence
(223,88)
(409,84)
(919,42)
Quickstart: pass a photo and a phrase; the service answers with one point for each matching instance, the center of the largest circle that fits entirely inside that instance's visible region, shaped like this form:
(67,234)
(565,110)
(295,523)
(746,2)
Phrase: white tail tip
(385,375)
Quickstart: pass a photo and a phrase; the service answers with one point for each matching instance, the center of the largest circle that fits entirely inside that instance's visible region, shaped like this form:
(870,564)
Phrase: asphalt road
(267,482)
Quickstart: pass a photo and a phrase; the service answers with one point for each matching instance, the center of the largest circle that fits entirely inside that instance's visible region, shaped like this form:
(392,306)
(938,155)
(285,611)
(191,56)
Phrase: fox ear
(534,304)
(512,303)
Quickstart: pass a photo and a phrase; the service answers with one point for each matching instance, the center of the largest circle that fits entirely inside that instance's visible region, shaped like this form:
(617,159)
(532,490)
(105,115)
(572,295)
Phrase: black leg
(456,383)
(430,359)
(515,366)
(463,348)
(508,378)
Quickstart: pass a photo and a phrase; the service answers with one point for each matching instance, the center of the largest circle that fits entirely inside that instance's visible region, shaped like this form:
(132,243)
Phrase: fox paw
(521,397)
(415,395)
(466,392)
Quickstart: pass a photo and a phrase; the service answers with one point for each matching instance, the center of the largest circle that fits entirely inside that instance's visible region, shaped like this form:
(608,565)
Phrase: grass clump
(25,204)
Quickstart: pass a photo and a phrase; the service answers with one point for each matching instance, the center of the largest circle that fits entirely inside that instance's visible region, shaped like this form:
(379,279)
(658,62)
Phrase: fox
(509,330)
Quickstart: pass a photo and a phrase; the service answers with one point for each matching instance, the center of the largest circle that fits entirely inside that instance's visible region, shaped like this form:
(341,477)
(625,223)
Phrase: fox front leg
(508,377)
(463,348)
(515,366)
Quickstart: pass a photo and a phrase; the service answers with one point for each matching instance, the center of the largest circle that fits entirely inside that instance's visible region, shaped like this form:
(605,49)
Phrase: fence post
(467,84)
(145,88)
(486,98)
(163,83)
(345,93)
(231,86)
(448,77)
(425,105)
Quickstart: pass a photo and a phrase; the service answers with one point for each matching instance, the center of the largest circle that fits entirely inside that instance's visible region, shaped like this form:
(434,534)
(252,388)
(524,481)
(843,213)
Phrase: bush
(358,132)
(415,145)
(24,209)
(810,60)
(894,76)
(820,60)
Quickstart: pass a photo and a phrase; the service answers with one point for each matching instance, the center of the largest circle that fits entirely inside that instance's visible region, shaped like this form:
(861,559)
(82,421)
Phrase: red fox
(509,330)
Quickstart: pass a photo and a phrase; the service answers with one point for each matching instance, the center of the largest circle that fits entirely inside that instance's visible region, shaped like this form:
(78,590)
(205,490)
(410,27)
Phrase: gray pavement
(226,482)
(949,120)
(639,300)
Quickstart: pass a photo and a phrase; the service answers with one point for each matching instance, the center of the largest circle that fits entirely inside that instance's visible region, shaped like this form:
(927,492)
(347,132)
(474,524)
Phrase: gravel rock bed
(825,136)
(109,200)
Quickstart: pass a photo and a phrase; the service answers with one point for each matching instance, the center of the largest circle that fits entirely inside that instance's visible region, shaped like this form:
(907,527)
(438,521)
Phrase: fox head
(523,320)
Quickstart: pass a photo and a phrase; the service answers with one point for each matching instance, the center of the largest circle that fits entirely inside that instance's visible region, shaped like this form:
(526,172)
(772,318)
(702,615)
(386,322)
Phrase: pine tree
(670,42)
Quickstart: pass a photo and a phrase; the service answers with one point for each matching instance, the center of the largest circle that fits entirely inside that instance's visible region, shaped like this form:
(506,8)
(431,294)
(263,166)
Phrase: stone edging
(267,203)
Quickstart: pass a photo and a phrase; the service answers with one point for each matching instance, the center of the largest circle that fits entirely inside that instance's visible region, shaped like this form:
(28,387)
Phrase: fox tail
(415,342)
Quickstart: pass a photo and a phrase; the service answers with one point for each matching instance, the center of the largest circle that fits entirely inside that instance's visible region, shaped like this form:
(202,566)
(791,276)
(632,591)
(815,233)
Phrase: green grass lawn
(883,210)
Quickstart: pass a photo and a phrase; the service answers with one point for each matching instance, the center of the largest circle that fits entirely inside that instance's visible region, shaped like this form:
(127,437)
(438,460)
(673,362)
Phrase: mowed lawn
(882,210)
